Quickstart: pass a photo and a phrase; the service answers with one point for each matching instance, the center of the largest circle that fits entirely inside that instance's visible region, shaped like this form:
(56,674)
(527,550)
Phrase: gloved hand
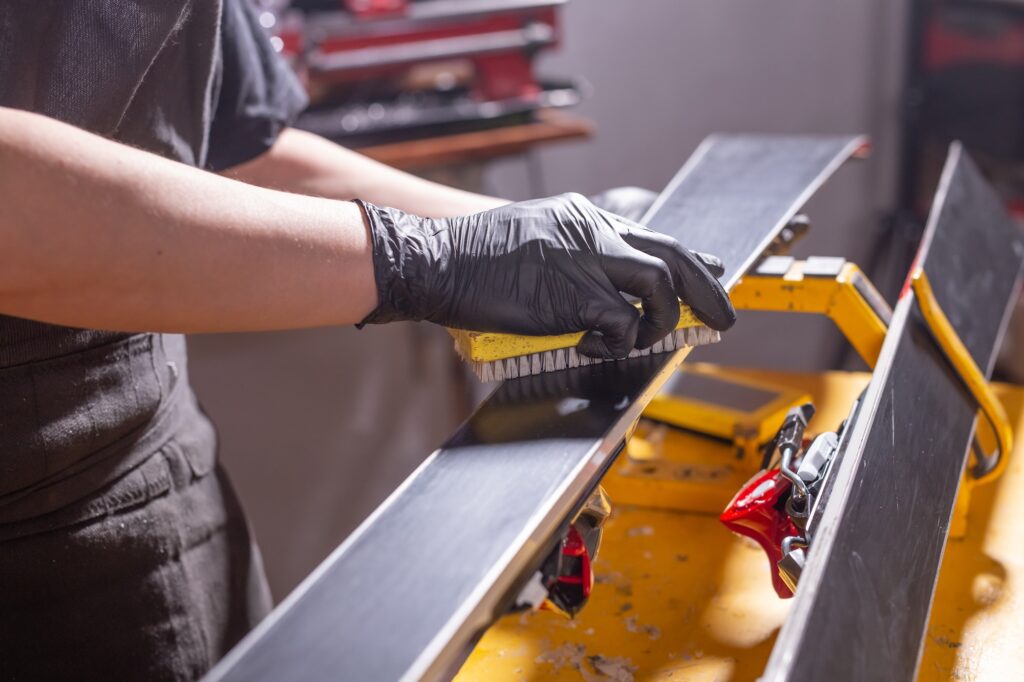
(541,267)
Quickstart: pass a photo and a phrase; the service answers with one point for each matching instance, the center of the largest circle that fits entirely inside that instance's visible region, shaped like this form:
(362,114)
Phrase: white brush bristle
(568,358)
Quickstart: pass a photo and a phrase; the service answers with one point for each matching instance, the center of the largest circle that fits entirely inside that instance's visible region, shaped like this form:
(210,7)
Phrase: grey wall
(318,426)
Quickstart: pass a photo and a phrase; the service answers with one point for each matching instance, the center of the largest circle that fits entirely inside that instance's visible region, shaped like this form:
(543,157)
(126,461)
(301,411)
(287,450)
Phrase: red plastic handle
(758,512)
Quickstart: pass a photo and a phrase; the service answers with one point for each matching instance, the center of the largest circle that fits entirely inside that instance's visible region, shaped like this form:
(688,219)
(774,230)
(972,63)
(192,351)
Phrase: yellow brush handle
(488,346)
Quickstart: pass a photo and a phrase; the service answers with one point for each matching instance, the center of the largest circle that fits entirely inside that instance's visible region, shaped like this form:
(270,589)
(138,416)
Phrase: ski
(878,534)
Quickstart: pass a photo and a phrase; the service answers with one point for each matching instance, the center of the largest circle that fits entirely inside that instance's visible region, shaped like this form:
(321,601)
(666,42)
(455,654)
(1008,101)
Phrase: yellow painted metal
(958,356)
(836,297)
(667,468)
(747,430)
(488,347)
(964,497)
(680,598)
(670,468)
(706,418)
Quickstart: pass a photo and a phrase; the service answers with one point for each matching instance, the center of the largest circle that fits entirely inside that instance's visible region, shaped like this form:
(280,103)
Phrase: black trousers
(154,576)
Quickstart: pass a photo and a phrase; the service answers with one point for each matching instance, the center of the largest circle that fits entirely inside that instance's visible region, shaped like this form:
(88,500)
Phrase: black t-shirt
(196,81)
(192,80)
(256,94)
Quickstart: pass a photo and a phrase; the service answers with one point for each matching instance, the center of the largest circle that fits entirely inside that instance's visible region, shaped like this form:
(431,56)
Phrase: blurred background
(521,98)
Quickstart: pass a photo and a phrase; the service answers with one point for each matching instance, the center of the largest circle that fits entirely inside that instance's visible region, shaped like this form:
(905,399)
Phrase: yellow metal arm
(991,466)
(839,291)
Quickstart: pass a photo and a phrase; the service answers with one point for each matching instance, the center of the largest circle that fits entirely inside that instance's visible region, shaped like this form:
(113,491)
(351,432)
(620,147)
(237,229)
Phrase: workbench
(678,597)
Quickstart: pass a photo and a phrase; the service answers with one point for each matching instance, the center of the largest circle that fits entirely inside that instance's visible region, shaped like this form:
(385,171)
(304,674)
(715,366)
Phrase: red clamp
(758,512)
(572,581)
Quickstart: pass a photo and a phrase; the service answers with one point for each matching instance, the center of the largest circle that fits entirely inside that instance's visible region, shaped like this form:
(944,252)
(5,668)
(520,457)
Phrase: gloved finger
(649,279)
(702,291)
(694,282)
(712,262)
(630,230)
(613,328)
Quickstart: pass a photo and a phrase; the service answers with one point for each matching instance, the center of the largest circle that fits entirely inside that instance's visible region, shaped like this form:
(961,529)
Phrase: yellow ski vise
(825,286)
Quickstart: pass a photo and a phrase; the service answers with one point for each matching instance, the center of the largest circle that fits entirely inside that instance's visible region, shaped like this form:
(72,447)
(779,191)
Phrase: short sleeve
(257,94)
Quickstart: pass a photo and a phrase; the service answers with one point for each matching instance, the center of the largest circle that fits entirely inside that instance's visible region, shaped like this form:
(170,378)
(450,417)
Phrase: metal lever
(988,466)
(789,441)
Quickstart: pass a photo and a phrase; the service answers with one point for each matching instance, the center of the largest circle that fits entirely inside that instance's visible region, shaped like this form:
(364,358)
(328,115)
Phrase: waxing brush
(496,357)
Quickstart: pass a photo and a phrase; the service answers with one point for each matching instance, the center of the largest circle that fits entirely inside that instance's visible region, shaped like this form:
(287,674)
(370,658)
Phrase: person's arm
(309,164)
(96,234)
(99,235)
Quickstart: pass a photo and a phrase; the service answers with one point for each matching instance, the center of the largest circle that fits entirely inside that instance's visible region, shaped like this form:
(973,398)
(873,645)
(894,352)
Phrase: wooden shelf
(550,126)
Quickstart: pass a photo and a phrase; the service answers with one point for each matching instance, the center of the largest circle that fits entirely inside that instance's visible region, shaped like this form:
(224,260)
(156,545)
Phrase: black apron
(124,553)
(151,576)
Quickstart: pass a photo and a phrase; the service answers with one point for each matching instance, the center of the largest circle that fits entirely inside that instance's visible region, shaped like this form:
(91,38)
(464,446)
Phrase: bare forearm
(95,234)
(308,164)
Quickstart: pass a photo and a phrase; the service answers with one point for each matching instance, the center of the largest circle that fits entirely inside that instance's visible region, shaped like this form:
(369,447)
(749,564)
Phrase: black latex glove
(541,267)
